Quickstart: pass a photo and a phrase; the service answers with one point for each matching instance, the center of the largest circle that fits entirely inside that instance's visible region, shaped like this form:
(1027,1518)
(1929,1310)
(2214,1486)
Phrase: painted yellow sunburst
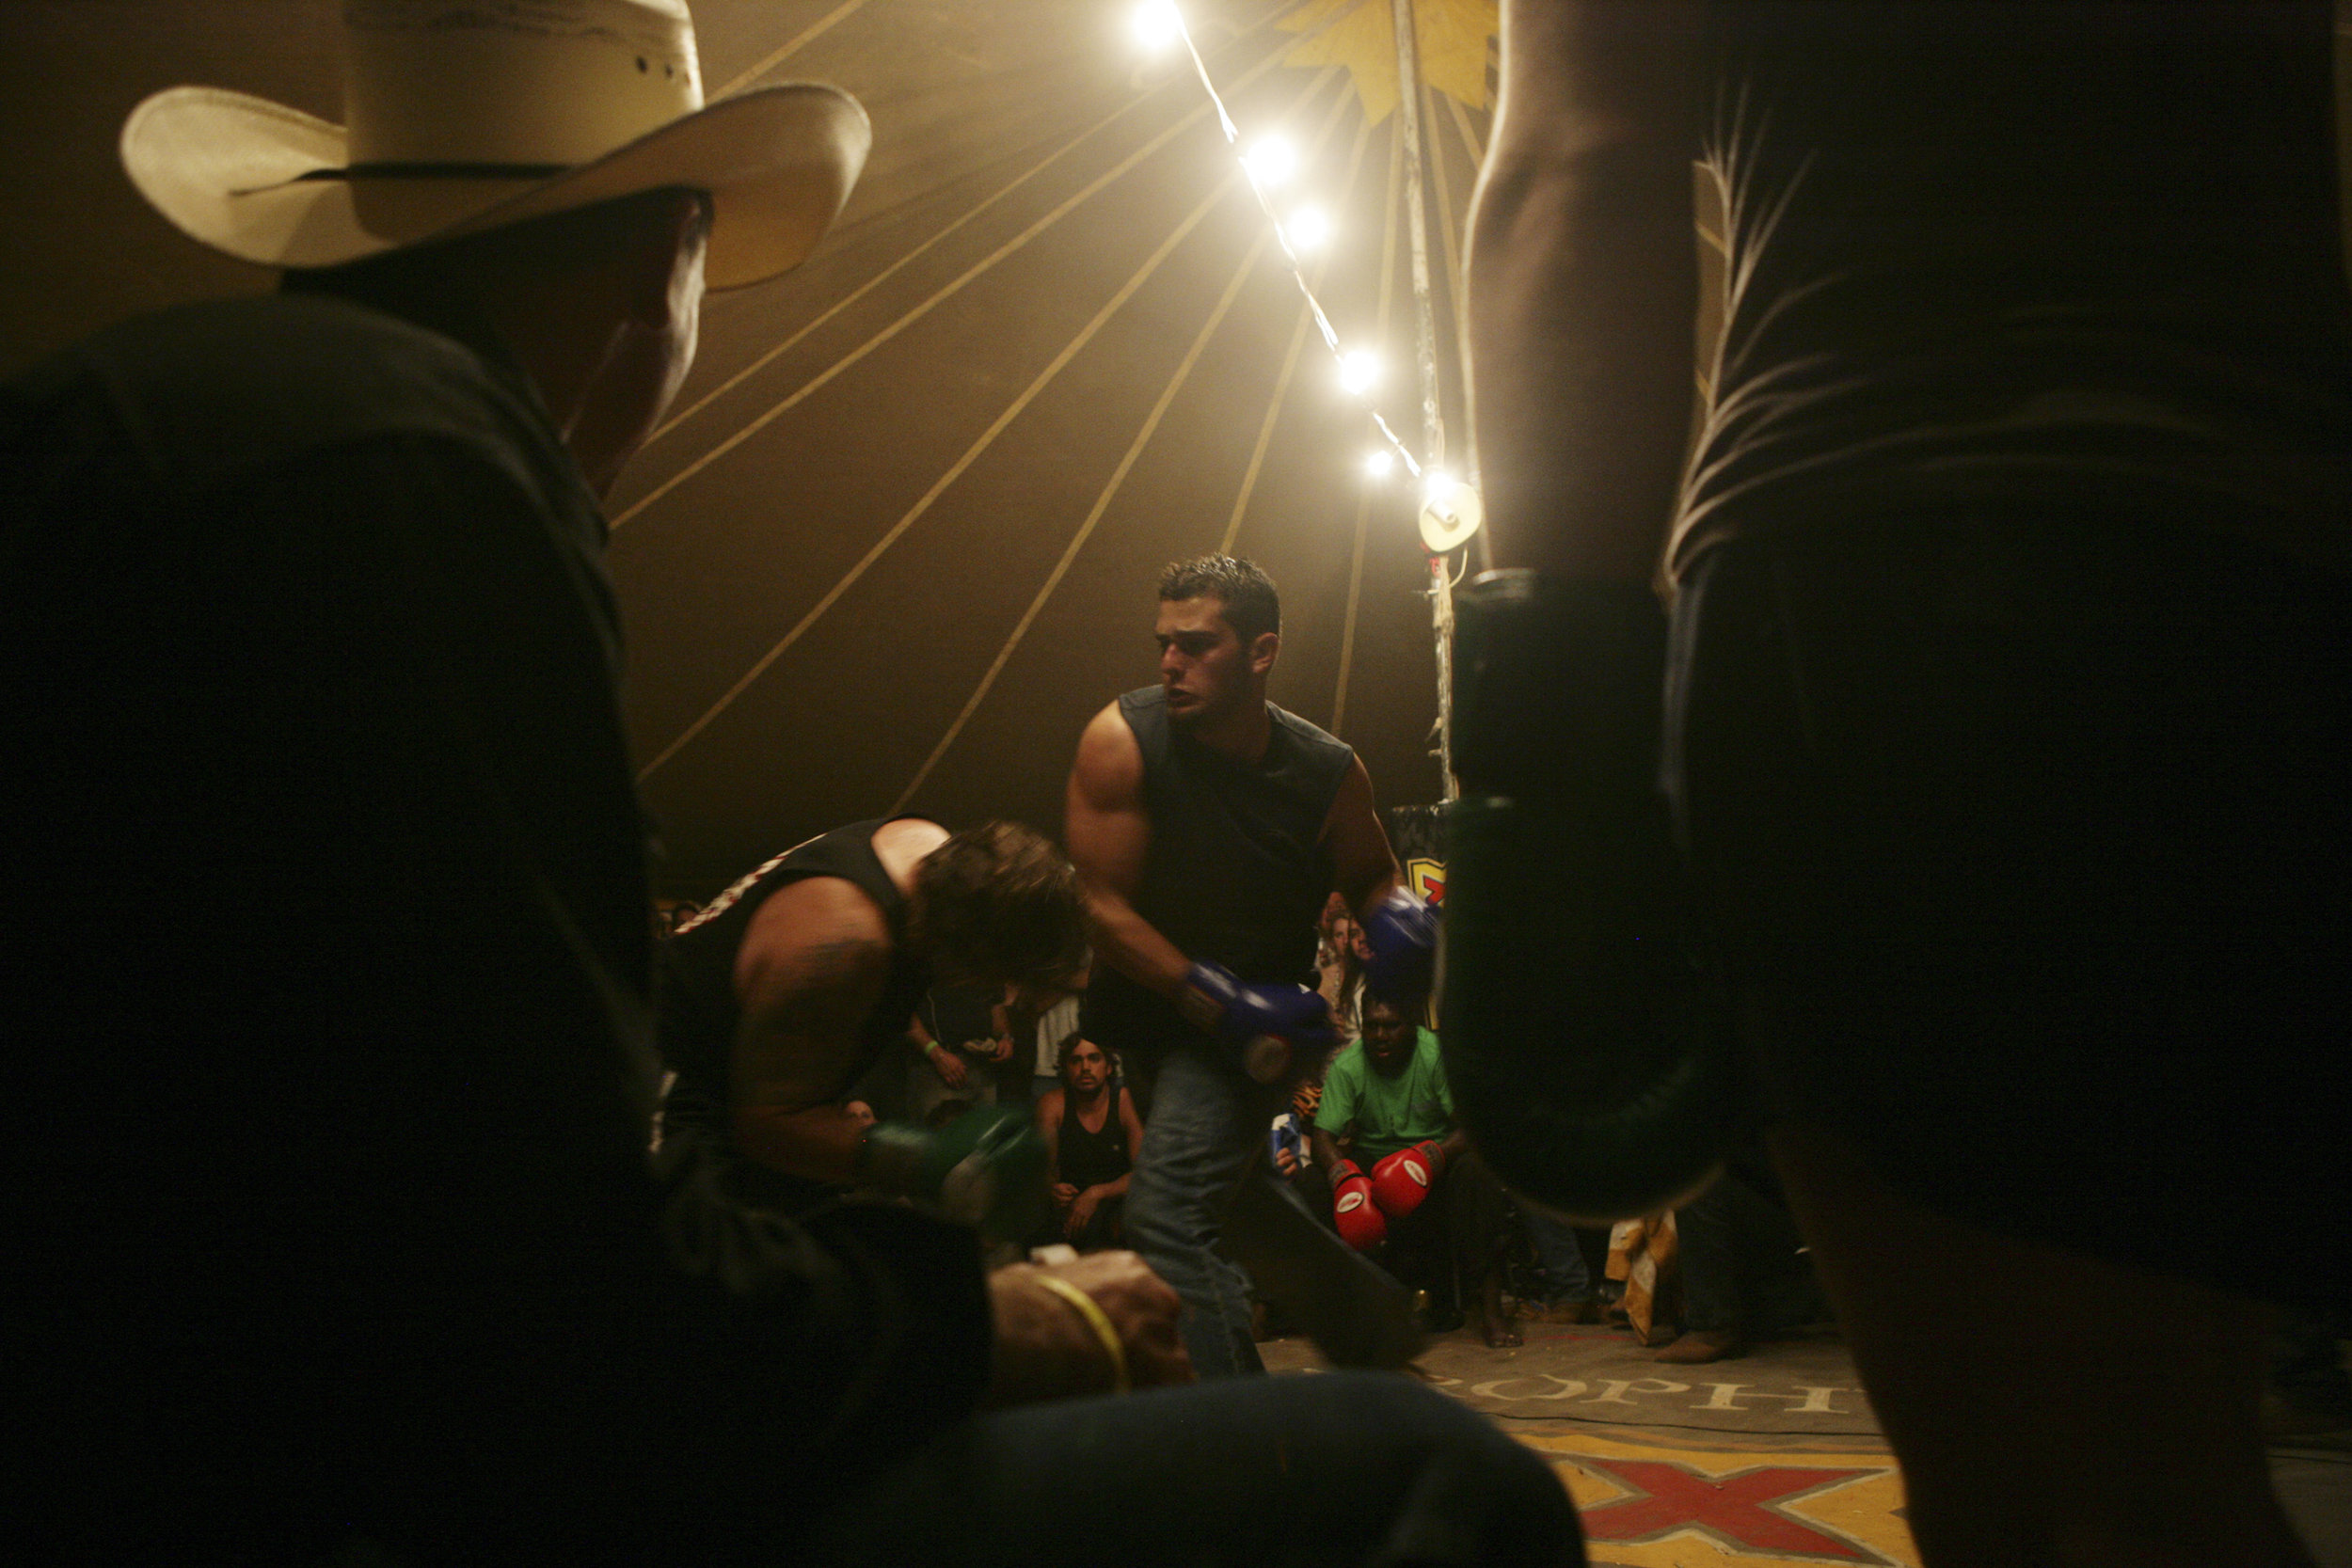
(1362,35)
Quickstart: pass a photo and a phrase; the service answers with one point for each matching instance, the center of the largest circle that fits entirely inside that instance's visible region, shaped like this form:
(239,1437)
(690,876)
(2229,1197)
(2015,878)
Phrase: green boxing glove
(985,1168)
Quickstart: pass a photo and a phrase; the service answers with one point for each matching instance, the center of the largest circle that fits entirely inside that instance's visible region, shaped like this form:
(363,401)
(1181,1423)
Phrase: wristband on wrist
(1097,1320)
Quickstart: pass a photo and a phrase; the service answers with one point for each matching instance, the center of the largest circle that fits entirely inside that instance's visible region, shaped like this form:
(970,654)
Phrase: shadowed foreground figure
(331,1232)
(2004,705)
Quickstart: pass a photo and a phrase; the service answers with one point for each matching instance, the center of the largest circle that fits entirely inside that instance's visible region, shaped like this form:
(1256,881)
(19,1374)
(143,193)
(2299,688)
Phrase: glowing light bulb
(1380,464)
(1158,23)
(1308,228)
(1359,369)
(1435,484)
(1271,161)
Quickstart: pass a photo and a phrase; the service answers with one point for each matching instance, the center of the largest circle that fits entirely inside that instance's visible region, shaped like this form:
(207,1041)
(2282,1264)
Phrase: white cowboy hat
(467,115)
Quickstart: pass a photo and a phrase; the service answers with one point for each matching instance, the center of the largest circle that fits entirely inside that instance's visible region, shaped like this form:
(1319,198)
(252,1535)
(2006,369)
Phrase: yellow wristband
(1099,1322)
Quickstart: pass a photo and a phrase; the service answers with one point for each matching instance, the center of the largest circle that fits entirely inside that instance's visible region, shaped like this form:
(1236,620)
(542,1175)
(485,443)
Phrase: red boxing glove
(1401,1181)
(1360,1223)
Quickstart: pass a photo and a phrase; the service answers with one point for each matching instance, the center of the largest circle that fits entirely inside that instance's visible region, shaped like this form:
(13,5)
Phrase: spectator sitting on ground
(1090,1131)
(1386,1106)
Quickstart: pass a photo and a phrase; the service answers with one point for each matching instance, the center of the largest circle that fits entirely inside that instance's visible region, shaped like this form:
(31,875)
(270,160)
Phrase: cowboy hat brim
(263,182)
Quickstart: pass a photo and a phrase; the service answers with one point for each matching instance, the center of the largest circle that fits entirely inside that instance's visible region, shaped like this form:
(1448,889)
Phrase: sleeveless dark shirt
(1237,873)
(697,1016)
(1089,1159)
(2061,254)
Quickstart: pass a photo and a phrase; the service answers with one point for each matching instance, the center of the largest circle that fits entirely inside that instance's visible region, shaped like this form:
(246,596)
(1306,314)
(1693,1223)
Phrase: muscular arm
(1049,1115)
(1327,1152)
(810,968)
(1108,835)
(1583,284)
(1362,866)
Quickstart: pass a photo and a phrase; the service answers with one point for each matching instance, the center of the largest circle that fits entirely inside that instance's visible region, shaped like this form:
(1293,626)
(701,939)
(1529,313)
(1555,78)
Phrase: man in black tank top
(2005,714)
(1209,827)
(1091,1131)
(781,994)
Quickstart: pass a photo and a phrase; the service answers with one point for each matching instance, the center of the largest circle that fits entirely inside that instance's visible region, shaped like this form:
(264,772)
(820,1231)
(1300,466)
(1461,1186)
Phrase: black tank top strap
(1237,870)
(1089,1158)
(697,1012)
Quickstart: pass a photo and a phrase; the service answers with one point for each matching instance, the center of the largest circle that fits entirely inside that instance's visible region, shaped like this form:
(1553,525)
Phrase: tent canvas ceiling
(898,539)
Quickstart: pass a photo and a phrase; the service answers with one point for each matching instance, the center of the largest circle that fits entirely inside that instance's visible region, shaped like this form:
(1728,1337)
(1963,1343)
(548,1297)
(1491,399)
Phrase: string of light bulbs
(1267,164)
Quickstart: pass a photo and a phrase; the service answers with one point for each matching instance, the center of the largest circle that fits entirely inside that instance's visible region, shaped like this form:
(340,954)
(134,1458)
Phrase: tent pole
(1425,327)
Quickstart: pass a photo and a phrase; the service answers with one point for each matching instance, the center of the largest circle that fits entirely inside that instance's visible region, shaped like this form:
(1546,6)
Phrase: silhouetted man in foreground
(2004,711)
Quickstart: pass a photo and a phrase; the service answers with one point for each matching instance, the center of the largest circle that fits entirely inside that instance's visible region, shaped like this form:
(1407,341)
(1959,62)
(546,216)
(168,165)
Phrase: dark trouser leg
(1476,1213)
(1707,1246)
(2028,841)
(1338,1469)
(2048,1407)
(1474,1219)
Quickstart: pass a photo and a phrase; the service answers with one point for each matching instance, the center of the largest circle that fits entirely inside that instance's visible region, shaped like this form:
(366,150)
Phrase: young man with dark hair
(1091,1131)
(1209,827)
(792,983)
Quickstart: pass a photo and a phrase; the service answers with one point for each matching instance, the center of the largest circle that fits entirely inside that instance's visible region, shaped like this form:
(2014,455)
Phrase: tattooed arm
(809,970)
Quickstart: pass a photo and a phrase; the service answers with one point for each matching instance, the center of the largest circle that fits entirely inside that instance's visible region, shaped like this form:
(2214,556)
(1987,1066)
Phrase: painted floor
(1772,1458)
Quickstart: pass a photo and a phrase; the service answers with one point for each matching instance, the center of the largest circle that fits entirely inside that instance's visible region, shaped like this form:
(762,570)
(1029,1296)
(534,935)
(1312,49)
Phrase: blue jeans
(1557,1254)
(1205,1137)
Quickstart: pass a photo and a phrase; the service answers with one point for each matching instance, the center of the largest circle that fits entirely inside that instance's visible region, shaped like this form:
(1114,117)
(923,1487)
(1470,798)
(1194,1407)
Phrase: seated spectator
(1090,1131)
(1745,1275)
(1385,1133)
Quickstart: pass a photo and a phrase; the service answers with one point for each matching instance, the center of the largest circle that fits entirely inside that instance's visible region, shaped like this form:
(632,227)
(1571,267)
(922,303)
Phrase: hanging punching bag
(1589,1058)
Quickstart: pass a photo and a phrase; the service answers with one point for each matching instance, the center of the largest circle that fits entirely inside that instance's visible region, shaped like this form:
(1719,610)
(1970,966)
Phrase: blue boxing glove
(1269,1027)
(1402,932)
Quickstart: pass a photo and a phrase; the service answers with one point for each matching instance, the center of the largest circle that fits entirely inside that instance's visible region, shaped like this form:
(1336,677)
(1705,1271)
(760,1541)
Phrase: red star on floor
(1738,1509)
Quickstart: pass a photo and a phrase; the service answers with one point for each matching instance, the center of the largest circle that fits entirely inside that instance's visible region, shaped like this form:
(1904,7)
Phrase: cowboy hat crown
(467,115)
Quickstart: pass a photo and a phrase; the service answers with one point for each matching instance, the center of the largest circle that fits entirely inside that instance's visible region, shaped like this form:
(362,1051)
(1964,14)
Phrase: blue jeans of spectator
(1557,1255)
(1349,1467)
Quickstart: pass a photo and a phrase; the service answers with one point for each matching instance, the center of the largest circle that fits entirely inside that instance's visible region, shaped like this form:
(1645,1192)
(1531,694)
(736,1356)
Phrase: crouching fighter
(1209,828)
(777,997)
